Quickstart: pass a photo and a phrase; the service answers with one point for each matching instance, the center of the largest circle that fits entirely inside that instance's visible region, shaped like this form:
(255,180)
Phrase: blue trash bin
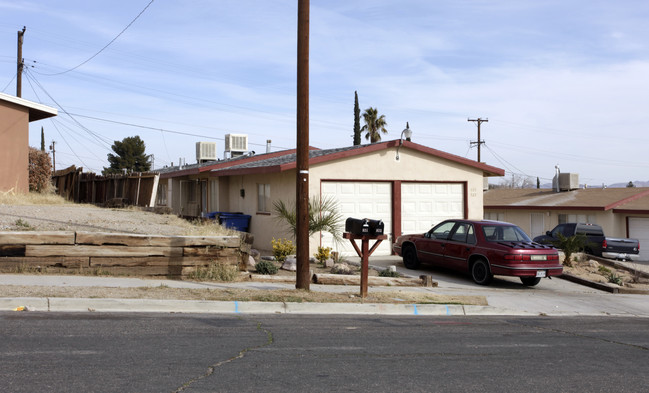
(237,221)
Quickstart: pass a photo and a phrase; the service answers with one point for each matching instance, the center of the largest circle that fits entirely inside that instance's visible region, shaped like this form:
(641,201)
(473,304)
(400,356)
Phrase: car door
(460,246)
(431,248)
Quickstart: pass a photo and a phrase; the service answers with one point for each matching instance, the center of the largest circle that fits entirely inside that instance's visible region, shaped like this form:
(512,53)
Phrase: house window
(263,198)
(494,216)
(579,218)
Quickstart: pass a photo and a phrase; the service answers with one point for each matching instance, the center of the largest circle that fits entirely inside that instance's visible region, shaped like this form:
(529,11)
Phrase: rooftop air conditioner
(236,144)
(205,151)
(568,181)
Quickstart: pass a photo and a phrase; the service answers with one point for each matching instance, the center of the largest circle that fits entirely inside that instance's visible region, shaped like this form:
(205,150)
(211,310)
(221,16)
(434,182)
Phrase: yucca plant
(570,245)
(324,216)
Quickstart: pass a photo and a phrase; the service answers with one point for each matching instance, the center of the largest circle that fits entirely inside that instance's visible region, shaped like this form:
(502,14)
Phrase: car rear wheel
(480,272)
(530,281)
(410,259)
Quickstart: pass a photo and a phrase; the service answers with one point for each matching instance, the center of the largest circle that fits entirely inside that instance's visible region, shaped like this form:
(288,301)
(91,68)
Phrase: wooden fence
(137,189)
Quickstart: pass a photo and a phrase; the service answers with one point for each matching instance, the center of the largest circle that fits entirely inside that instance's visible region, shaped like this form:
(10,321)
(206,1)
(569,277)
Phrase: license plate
(540,273)
(538,257)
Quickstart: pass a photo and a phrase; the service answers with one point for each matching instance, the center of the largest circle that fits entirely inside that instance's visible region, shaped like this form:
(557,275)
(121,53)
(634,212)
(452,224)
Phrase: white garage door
(426,204)
(639,229)
(360,200)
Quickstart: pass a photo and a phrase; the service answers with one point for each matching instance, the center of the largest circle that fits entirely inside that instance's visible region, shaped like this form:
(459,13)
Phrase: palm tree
(324,216)
(374,125)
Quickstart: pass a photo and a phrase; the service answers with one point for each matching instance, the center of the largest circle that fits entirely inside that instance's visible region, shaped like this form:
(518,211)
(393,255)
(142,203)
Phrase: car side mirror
(548,233)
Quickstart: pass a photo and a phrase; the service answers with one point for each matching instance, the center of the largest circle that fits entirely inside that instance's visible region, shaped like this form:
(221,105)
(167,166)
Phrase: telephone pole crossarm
(479,142)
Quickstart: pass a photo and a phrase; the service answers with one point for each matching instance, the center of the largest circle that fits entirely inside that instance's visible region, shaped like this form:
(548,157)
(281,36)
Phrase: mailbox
(376,226)
(357,226)
(364,226)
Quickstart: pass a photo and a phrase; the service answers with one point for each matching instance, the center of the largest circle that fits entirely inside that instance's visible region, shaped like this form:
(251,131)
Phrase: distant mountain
(637,183)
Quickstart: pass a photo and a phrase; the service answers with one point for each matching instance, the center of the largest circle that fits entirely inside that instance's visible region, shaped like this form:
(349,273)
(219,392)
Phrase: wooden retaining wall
(118,253)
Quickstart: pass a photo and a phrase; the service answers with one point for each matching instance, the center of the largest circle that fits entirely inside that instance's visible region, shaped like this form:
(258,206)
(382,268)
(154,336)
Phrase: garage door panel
(639,229)
(426,204)
(360,200)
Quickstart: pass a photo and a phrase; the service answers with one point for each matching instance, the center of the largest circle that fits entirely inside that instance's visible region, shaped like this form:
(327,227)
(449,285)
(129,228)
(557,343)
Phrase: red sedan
(481,248)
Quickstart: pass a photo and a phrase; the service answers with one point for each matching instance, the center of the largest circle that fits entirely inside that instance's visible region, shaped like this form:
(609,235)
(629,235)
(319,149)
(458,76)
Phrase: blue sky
(561,82)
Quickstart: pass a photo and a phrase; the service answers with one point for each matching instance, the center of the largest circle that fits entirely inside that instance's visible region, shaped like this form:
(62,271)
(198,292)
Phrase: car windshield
(502,233)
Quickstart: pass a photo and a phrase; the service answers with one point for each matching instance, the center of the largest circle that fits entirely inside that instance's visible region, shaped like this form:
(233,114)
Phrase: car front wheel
(410,259)
(480,272)
(530,281)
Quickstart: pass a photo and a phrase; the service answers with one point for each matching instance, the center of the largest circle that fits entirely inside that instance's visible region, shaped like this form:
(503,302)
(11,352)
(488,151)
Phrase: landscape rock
(255,254)
(341,268)
(290,264)
(250,266)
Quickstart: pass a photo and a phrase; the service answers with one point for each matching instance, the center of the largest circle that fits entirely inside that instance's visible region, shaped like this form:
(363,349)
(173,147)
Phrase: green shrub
(266,267)
(615,279)
(603,269)
(389,273)
(282,248)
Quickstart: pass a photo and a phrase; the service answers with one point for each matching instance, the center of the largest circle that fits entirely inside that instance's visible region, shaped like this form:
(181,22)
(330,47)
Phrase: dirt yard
(593,270)
(20,215)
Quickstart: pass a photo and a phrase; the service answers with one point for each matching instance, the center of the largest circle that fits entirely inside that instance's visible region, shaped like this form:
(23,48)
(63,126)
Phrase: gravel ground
(71,217)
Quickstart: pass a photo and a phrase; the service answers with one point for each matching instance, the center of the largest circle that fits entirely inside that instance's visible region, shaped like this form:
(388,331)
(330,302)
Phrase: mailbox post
(364,230)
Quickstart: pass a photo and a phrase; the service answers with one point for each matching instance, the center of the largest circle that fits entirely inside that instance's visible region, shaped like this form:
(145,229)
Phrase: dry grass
(236,294)
(33,198)
(207,228)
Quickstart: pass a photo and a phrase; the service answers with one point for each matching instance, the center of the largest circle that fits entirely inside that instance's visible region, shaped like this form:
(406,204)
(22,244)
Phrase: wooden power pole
(302,279)
(480,141)
(21,63)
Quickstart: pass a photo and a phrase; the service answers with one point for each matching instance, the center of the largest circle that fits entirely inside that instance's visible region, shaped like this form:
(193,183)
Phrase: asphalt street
(140,352)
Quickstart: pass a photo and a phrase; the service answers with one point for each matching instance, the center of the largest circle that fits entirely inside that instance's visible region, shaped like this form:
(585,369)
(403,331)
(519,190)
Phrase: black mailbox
(376,226)
(357,226)
(364,226)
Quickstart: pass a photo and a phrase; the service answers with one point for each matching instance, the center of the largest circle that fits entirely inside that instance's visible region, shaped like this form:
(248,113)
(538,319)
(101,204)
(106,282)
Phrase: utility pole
(21,63)
(53,150)
(302,279)
(479,142)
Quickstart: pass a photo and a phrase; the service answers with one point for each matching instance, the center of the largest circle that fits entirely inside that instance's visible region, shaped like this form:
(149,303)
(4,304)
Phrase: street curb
(235,307)
(588,283)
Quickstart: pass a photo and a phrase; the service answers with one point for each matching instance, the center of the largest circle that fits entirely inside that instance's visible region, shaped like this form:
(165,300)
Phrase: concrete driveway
(550,297)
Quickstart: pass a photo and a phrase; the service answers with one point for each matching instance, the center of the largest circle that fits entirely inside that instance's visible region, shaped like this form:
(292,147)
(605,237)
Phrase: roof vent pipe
(268,141)
(555,180)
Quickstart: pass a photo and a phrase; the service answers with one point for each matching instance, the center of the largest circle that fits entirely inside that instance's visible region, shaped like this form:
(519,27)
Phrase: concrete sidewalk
(506,296)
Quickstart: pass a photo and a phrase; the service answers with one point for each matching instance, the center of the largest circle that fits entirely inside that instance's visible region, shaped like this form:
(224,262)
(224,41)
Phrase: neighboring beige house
(15,116)
(420,188)
(622,212)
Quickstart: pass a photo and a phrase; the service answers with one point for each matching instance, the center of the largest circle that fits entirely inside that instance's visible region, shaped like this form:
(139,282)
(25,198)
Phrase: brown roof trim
(627,200)
(380,146)
(631,211)
(488,169)
(522,207)
(226,164)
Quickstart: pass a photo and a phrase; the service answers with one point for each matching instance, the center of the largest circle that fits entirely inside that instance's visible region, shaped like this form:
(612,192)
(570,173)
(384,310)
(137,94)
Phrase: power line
(164,130)
(97,137)
(107,45)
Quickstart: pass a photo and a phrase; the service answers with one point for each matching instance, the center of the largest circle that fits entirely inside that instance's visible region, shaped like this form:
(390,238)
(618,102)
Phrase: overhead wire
(107,45)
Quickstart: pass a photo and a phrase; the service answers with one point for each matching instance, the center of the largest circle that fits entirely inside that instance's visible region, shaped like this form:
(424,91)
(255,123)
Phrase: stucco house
(410,191)
(15,116)
(622,212)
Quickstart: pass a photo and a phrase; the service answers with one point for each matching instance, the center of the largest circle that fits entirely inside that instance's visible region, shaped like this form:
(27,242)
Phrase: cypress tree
(357,121)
